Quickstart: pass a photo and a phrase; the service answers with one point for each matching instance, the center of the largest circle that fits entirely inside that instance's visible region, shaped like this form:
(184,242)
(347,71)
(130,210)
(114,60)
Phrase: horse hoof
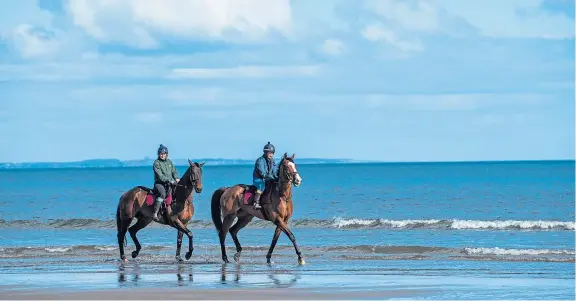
(123,258)
(225,259)
(237,257)
(179,259)
(301,261)
(134,254)
(188,255)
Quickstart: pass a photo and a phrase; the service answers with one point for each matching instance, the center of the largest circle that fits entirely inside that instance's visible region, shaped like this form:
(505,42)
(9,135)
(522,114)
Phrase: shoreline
(182,293)
(279,285)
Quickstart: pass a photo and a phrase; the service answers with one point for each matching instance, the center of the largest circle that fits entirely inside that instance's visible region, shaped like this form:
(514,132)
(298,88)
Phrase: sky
(389,80)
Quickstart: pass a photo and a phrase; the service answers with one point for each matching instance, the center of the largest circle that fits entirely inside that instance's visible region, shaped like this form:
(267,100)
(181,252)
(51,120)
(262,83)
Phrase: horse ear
(285,155)
(292,158)
(190,162)
(201,164)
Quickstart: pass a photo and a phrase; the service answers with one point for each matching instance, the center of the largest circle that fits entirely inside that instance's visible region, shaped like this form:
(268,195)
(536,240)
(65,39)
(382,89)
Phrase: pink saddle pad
(247,196)
(150,200)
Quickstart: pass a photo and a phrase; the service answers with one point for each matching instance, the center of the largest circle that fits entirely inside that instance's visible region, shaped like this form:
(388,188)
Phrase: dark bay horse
(277,207)
(132,205)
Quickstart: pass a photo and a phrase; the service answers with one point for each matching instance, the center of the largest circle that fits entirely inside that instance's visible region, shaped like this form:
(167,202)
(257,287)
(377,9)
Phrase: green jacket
(164,171)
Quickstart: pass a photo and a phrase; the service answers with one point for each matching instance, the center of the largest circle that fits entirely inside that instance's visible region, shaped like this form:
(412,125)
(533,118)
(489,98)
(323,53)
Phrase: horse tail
(119,224)
(216,208)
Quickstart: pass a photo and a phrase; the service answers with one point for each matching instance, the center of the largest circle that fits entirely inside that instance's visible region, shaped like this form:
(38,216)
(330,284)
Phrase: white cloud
(403,24)
(378,32)
(245,71)
(16,13)
(136,21)
(511,18)
(32,43)
(400,23)
(333,47)
(420,15)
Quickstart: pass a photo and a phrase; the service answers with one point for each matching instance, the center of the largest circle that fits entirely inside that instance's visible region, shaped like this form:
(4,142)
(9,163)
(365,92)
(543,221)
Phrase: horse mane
(186,175)
(283,187)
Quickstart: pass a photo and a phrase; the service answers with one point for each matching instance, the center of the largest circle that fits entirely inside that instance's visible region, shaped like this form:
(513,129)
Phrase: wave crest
(335,223)
(454,224)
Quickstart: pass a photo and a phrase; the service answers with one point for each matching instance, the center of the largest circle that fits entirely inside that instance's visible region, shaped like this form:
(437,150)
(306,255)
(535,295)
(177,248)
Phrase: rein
(289,177)
(193,185)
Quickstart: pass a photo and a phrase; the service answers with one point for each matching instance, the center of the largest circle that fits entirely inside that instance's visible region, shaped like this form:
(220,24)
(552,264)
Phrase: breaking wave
(455,224)
(518,252)
(354,252)
(336,223)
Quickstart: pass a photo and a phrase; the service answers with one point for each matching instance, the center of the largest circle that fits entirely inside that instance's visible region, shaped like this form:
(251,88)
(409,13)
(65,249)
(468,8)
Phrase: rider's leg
(260,185)
(160,198)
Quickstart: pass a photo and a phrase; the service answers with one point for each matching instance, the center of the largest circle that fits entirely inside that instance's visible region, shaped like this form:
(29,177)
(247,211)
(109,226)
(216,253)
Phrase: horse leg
(226,223)
(140,224)
(274,240)
(182,228)
(179,245)
(243,220)
(282,225)
(122,229)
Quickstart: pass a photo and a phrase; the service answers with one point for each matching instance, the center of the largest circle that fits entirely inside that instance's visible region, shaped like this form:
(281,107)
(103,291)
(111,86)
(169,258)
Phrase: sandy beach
(328,293)
(252,281)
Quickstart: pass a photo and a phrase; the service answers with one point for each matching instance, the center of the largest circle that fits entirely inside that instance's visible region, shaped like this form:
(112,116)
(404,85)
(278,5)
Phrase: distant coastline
(147,162)
(115,163)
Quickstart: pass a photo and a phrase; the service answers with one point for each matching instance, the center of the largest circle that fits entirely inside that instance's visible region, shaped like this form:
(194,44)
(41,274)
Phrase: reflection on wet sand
(122,274)
(181,270)
(223,273)
(229,275)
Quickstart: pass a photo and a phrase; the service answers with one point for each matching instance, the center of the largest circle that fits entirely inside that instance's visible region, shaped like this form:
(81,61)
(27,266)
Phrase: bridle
(288,174)
(191,178)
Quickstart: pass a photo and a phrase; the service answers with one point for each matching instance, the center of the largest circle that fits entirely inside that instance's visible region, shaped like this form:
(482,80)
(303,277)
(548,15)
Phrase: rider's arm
(261,165)
(274,170)
(174,171)
(159,173)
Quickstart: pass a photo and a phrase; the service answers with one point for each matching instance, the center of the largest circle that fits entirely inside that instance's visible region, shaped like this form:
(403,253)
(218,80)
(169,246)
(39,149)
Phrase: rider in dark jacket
(164,174)
(265,170)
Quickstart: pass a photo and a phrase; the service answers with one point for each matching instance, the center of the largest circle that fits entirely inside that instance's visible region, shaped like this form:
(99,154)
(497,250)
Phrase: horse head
(193,176)
(288,171)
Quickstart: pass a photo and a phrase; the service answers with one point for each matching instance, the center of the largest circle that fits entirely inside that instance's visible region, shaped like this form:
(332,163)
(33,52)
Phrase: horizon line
(352,161)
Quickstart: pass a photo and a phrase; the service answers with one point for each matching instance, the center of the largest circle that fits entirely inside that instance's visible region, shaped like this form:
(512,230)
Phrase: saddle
(151,197)
(250,191)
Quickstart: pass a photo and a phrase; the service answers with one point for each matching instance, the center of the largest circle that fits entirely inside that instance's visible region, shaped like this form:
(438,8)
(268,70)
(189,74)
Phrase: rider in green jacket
(164,174)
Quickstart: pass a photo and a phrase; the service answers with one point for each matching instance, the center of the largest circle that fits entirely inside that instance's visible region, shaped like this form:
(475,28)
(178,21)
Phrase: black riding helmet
(269,148)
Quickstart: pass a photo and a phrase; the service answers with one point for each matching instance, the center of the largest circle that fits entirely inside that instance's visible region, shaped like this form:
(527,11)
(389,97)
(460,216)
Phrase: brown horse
(277,207)
(132,205)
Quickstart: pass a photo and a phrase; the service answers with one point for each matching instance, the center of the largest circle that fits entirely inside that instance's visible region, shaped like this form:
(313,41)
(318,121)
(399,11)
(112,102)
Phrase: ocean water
(507,225)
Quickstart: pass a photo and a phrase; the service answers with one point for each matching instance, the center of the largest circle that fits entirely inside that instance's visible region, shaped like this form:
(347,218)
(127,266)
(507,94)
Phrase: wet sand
(233,282)
(326,293)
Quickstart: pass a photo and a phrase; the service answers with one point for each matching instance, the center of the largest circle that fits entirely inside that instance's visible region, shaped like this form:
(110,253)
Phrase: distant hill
(111,163)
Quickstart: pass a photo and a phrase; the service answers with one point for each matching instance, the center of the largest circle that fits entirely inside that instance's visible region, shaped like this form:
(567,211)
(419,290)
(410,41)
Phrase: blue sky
(414,80)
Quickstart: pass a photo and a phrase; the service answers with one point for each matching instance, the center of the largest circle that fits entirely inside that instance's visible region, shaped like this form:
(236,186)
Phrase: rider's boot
(157,205)
(257,200)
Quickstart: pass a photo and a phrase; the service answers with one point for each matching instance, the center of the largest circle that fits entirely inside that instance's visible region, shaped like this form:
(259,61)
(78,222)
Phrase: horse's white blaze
(292,166)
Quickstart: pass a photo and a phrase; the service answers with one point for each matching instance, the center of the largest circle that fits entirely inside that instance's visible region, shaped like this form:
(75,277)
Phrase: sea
(461,230)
